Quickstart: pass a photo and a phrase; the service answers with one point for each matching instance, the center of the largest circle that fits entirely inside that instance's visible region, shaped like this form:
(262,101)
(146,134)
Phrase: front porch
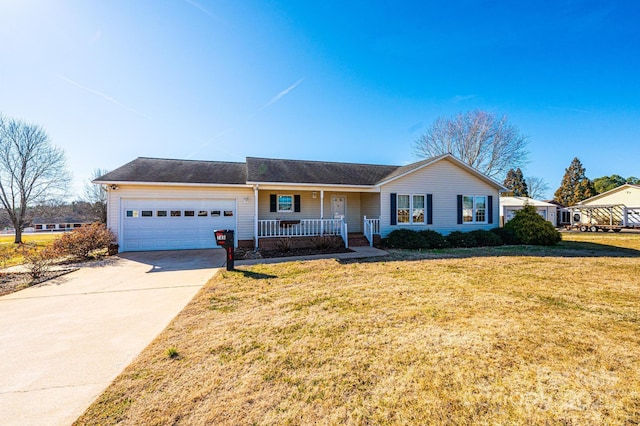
(290,212)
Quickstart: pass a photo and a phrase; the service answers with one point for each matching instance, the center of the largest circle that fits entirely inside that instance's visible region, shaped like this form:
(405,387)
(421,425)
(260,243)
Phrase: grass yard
(10,254)
(524,335)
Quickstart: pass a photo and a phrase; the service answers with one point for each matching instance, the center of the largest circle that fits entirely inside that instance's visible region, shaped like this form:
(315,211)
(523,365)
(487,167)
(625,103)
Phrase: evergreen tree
(516,183)
(575,185)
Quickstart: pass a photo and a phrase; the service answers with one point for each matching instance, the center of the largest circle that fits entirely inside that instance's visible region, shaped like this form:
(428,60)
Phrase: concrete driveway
(61,344)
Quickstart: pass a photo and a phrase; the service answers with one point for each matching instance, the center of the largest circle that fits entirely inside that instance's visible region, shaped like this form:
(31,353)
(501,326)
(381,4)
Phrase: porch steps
(357,239)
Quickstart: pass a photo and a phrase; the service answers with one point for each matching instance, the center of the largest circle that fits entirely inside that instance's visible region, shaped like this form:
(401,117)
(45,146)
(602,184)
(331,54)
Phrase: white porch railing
(371,227)
(299,228)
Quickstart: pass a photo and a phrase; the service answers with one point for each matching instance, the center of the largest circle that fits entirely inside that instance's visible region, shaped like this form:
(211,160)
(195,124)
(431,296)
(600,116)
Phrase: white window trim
(293,201)
(474,210)
(424,210)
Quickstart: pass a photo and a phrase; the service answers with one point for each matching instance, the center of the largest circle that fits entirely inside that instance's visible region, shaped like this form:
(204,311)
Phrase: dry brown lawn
(522,335)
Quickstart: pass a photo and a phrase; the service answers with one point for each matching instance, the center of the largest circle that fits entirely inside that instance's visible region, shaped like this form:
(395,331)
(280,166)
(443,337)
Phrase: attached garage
(174,224)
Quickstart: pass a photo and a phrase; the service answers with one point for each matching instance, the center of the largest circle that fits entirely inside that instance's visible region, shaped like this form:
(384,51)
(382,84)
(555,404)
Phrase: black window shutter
(394,212)
(273,203)
(459,209)
(429,209)
(490,206)
(296,203)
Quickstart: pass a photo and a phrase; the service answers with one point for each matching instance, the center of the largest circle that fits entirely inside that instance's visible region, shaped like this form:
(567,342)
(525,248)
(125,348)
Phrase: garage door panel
(143,229)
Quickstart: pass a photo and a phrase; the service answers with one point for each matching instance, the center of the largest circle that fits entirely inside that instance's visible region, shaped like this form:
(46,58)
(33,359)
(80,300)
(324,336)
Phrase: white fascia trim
(338,187)
(208,185)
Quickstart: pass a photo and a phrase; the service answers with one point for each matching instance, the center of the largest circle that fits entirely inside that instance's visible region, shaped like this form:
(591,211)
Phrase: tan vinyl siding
(444,180)
(370,205)
(629,196)
(243,196)
(310,207)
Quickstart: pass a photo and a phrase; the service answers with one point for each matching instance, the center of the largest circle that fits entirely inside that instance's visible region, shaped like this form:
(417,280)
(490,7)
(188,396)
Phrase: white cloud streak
(204,10)
(280,95)
(102,95)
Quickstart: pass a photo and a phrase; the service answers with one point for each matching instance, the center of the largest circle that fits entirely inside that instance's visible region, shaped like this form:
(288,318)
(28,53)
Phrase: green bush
(403,239)
(84,241)
(461,239)
(531,228)
(433,239)
(486,238)
(508,236)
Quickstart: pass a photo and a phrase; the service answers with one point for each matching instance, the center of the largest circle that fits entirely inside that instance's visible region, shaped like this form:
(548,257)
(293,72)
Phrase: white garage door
(174,224)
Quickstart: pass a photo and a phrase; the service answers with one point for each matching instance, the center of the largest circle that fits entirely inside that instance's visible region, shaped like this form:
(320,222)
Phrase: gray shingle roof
(262,170)
(144,169)
(315,172)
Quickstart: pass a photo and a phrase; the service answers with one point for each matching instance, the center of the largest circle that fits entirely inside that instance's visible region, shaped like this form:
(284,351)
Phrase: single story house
(627,195)
(164,204)
(510,205)
(618,206)
(563,213)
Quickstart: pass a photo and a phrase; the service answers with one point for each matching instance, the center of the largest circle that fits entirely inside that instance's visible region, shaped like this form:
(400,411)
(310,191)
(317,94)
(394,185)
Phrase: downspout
(255,215)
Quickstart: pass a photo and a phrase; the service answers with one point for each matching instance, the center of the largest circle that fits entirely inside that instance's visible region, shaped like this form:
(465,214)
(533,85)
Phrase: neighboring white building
(161,204)
(510,205)
(627,195)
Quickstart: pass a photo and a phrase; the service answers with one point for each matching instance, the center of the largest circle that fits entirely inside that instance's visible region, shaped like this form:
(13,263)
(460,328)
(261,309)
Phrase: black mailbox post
(225,238)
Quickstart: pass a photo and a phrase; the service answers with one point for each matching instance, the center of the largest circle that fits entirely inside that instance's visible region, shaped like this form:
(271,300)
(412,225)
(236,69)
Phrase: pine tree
(516,183)
(575,185)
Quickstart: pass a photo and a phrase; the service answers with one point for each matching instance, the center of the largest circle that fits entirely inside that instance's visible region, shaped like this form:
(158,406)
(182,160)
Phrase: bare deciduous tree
(538,187)
(96,195)
(32,170)
(480,139)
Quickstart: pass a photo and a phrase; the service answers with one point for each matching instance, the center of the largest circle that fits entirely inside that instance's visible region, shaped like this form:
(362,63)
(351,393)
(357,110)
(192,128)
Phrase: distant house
(510,205)
(627,195)
(163,204)
(618,206)
(563,213)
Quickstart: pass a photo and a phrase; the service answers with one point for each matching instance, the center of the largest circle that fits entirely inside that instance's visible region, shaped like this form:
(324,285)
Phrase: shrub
(507,235)
(531,228)
(283,245)
(38,260)
(433,239)
(327,242)
(403,239)
(84,241)
(461,239)
(486,238)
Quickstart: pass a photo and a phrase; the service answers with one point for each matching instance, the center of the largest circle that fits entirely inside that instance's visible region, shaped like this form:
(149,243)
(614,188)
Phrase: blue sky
(355,81)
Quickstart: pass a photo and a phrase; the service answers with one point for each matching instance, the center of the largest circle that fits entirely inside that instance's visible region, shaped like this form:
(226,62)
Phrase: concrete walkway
(62,343)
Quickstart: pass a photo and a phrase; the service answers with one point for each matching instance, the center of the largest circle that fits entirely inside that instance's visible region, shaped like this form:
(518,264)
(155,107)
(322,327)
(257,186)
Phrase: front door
(338,207)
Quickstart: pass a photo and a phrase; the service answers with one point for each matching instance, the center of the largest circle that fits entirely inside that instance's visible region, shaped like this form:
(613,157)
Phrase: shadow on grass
(568,249)
(254,275)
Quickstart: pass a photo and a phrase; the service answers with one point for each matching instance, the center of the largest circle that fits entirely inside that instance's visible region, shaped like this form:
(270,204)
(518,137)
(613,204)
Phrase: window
(189,213)
(403,208)
(215,213)
(474,209)
(161,213)
(146,213)
(132,213)
(285,203)
(410,209)
(176,213)
(418,209)
(228,213)
(202,213)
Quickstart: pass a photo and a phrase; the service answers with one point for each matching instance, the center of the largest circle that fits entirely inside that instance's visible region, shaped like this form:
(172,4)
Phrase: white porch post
(321,212)
(255,214)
